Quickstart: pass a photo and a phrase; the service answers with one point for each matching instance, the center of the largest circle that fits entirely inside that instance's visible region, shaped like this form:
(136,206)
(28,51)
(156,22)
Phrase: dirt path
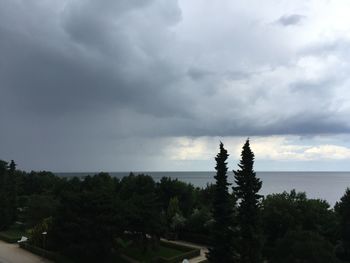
(12,253)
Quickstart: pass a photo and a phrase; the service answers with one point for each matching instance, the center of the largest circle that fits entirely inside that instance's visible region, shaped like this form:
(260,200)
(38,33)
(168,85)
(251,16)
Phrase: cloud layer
(80,76)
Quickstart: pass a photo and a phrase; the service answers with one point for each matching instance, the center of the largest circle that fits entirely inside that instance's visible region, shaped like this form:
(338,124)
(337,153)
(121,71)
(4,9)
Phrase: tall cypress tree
(343,210)
(6,202)
(12,190)
(246,191)
(223,231)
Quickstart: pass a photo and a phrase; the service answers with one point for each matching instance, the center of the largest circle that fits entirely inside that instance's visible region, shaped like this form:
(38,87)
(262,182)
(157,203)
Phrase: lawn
(148,256)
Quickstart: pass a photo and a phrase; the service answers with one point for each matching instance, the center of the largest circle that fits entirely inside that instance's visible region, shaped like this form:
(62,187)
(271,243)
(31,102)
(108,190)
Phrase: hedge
(8,238)
(195,238)
(38,251)
(191,254)
(177,246)
(44,253)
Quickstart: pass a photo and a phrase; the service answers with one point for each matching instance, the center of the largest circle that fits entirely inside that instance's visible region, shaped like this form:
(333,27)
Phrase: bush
(12,235)
(37,238)
(8,238)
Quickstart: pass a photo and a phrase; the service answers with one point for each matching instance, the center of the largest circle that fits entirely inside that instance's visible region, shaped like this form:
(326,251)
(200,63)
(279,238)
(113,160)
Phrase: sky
(155,85)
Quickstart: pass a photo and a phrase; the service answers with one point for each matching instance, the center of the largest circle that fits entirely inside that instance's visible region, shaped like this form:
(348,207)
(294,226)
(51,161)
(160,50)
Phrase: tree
(12,167)
(12,190)
(38,208)
(286,212)
(246,190)
(37,238)
(169,188)
(174,215)
(222,236)
(8,202)
(41,182)
(343,210)
(173,208)
(87,221)
(142,216)
(304,246)
(199,222)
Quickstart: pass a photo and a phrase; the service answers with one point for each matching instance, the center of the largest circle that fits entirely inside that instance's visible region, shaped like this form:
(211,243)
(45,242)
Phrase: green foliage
(87,221)
(173,208)
(12,234)
(40,232)
(246,190)
(43,253)
(205,196)
(150,256)
(200,221)
(223,231)
(175,219)
(169,188)
(177,222)
(8,195)
(102,181)
(166,252)
(38,208)
(142,215)
(343,210)
(122,243)
(39,183)
(12,190)
(291,211)
(304,246)
(92,215)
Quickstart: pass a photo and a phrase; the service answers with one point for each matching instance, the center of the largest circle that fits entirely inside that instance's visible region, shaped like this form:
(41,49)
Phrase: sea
(329,186)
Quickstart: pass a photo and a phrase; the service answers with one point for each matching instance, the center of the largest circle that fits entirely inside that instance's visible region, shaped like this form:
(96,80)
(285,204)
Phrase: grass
(136,252)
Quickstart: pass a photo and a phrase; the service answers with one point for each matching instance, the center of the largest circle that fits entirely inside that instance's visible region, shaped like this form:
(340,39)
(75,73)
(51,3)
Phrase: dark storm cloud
(198,74)
(92,64)
(290,20)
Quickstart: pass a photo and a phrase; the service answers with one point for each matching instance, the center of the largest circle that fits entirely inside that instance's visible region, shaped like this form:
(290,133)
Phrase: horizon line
(200,171)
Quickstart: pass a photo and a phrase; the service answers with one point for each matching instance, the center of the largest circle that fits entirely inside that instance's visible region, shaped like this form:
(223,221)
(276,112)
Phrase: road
(12,253)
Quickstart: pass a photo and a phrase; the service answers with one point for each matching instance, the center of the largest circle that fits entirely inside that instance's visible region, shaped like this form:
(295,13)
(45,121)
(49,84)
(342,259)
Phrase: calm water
(325,185)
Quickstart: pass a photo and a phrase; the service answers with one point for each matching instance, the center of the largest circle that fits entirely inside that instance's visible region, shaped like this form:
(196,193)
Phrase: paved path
(12,253)
(203,250)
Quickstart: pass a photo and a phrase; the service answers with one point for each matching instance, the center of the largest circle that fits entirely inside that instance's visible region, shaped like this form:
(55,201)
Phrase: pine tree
(246,191)
(343,210)
(12,167)
(6,202)
(222,236)
(12,190)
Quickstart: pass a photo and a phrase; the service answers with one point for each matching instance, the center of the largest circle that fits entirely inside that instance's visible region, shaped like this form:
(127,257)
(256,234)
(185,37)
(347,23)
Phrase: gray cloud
(198,74)
(83,76)
(290,20)
(96,66)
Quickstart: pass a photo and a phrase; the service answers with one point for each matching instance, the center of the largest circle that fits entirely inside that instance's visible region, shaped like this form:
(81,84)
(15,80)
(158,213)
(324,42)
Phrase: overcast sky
(127,85)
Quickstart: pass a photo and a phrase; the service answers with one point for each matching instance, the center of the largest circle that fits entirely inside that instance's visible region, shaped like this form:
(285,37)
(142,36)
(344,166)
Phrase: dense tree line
(88,219)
